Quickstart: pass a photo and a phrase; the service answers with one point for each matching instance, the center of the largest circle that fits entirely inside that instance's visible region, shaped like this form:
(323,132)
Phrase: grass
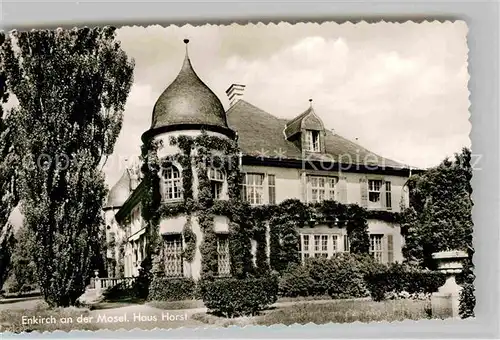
(176,305)
(12,320)
(336,311)
(304,298)
(339,311)
(117,303)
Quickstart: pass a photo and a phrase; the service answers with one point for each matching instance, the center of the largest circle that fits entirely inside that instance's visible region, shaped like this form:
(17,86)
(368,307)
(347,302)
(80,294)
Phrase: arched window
(216,177)
(172,183)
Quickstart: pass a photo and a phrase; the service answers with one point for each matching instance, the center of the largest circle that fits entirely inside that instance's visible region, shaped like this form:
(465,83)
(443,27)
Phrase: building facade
(280,159)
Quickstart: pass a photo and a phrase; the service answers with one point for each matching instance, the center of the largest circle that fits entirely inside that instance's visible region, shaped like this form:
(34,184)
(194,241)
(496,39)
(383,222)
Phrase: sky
(400,89)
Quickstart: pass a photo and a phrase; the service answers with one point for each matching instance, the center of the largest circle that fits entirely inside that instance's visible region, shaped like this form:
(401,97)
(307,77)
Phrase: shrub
(398,278)
(341,276)
(296,281)
(231,297)
(171,289)
(467,301)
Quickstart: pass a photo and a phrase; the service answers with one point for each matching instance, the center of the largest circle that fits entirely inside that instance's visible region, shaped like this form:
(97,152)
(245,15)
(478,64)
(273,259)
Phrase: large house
(274,155)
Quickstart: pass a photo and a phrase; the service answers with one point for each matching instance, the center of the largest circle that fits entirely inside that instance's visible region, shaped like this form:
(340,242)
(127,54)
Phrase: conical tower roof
(188,103)
(119,193)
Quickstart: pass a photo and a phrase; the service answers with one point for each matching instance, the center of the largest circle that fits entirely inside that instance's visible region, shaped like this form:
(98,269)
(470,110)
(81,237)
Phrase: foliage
(341,276)
(246,223)
(440,213)
(171,289)
(7,242)
(23,264)
(398,278)
(189,240)
(440,218)
(71,86)
(467,301)
(296,281)
(9,153)
(232,297)
(199,153)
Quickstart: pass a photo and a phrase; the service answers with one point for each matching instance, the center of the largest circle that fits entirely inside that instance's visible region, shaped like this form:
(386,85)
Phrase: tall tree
(440,213)
(72,86)
(9,160)
(7,243)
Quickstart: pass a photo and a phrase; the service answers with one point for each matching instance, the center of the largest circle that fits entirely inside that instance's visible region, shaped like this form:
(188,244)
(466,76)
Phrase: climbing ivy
(189,240)
(199,153)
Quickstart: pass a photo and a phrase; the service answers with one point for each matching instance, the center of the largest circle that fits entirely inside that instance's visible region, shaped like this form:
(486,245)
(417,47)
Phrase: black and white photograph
(235,175)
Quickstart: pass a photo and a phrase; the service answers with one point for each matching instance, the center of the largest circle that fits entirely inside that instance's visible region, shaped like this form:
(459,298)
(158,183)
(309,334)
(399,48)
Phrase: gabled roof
(294,125)
(261,134)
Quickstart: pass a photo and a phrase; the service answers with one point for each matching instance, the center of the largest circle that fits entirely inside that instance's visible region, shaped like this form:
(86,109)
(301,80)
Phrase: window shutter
(390,248)
(364,192)
(341,190)
(388,195)
(382,194)
(304,181)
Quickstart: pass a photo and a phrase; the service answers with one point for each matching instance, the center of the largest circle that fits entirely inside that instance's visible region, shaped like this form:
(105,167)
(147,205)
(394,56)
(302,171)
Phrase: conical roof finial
(310,102)
(186,41)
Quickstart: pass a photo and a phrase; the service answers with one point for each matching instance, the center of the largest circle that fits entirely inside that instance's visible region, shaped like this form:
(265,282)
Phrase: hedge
(232,297)
(398,278)
(341,276)
(172,289)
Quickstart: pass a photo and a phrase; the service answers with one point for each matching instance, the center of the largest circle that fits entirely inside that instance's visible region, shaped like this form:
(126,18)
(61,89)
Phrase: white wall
(385,228)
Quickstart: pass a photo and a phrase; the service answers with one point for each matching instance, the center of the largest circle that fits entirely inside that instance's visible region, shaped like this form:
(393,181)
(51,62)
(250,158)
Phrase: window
(312,141)
(320,188)
(172,183)
(376,248)
(216,182)
(335,242)
(318,245)
(271,183)
(253,188)
(173,255)
(321,246)
(223,265)
(388,196)
(374,187)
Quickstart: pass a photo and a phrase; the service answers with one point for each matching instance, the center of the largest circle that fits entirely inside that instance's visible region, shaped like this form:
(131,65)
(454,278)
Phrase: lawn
(63,319)
(339,311)
(336,311)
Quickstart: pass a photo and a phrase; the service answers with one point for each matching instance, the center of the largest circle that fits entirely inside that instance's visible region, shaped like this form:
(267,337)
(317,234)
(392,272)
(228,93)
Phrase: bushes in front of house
(172,289)
(341,276)
(400,279)
(354,276)
(232,297)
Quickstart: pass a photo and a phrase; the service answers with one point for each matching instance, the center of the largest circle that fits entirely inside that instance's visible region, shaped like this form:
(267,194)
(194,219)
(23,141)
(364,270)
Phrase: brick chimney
(235,93)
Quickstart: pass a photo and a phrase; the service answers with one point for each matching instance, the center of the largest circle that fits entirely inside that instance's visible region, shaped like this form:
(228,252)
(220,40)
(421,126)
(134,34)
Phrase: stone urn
(445,301)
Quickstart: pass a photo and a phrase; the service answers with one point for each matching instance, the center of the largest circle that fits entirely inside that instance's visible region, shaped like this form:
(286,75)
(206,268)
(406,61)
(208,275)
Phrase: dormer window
(216,178)
(312,141)
(172,183)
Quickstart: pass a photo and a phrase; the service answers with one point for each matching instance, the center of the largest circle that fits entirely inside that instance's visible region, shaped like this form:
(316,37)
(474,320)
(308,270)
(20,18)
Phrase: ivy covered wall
(246,223)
